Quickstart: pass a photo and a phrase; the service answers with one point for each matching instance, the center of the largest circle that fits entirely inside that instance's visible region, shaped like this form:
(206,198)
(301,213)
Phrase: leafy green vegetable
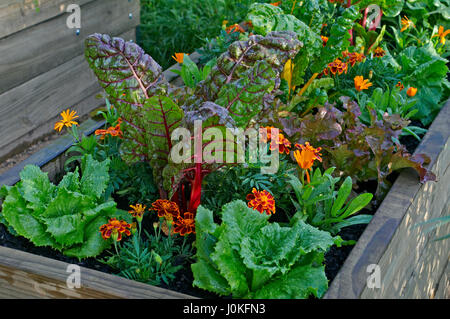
(321,206)
(248,257)
(66,217)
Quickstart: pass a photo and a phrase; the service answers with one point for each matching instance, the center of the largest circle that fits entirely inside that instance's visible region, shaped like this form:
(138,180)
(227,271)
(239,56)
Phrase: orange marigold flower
(268,134)
(112,130)
(361,84)
(276,4)
(354,57)
(262,201)
(337,66)
(284,144)
(67,120)
(166,209)
(441,34)
(114,229)
(185,225)
(411,91)
(406,23)
(305,155)
(400,85)
(179,57)
(324,40)
(234,28)
(138,211)
(379,52)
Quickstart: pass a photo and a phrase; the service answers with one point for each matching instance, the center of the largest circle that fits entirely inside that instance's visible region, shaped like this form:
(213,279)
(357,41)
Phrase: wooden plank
(26,275)
(443,291)
(29,111)
(16,15)
(406,199)
(45,46)
(46,155)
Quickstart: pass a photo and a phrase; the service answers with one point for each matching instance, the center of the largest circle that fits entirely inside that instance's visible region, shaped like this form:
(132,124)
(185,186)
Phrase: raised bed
(412,265)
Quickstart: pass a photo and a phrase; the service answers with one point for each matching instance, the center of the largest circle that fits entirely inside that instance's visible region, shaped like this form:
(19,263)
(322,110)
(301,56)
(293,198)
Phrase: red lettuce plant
(355,149)
(239,88)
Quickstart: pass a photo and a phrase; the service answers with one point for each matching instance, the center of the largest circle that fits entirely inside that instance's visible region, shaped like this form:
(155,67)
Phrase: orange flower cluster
(353,57)
(179,57)
(305,155)
(234,28)
(112,130)
(114,229)
(400,85)
(361,83)
(171,213)
(283,143)
(379,52)
(276,4)
(337,66)
(138,211)
(411,91)
(262,201)
(324,40)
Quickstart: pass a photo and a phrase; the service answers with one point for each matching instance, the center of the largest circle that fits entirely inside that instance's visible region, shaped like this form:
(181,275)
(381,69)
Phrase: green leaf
(343,194)
(21,219)
(355,220)
(36,187)
(357,204)
(300,282)
(95,176)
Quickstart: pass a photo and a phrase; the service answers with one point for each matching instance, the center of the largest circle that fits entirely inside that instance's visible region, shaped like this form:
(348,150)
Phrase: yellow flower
(67,120)
(178,57)
(441,34)
(287,74)
(361,84)
(406,23)
(411,91)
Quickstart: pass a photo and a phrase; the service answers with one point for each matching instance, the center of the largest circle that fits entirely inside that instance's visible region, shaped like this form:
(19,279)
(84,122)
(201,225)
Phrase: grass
(169,26)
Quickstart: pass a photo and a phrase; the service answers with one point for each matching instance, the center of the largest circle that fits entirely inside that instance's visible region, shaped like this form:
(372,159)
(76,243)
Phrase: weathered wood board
(29,111)
(42,47)
(16,15)
(411,263)
(23,275)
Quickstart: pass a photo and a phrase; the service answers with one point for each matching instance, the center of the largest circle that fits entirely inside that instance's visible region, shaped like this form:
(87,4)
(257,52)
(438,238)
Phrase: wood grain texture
(24,275)
(30,110)
(410,265)
(44,157)
(17,15)
(42,47)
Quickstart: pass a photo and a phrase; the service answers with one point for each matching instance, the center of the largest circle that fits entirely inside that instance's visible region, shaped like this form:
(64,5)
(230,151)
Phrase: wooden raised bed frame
(412,265)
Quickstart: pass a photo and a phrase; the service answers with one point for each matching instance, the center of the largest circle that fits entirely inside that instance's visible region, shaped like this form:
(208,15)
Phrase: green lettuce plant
(67,216)
(248,257)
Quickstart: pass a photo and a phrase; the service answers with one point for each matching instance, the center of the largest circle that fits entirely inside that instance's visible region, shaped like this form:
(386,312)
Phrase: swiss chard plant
(237,90)
(67,216)
(248,257)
